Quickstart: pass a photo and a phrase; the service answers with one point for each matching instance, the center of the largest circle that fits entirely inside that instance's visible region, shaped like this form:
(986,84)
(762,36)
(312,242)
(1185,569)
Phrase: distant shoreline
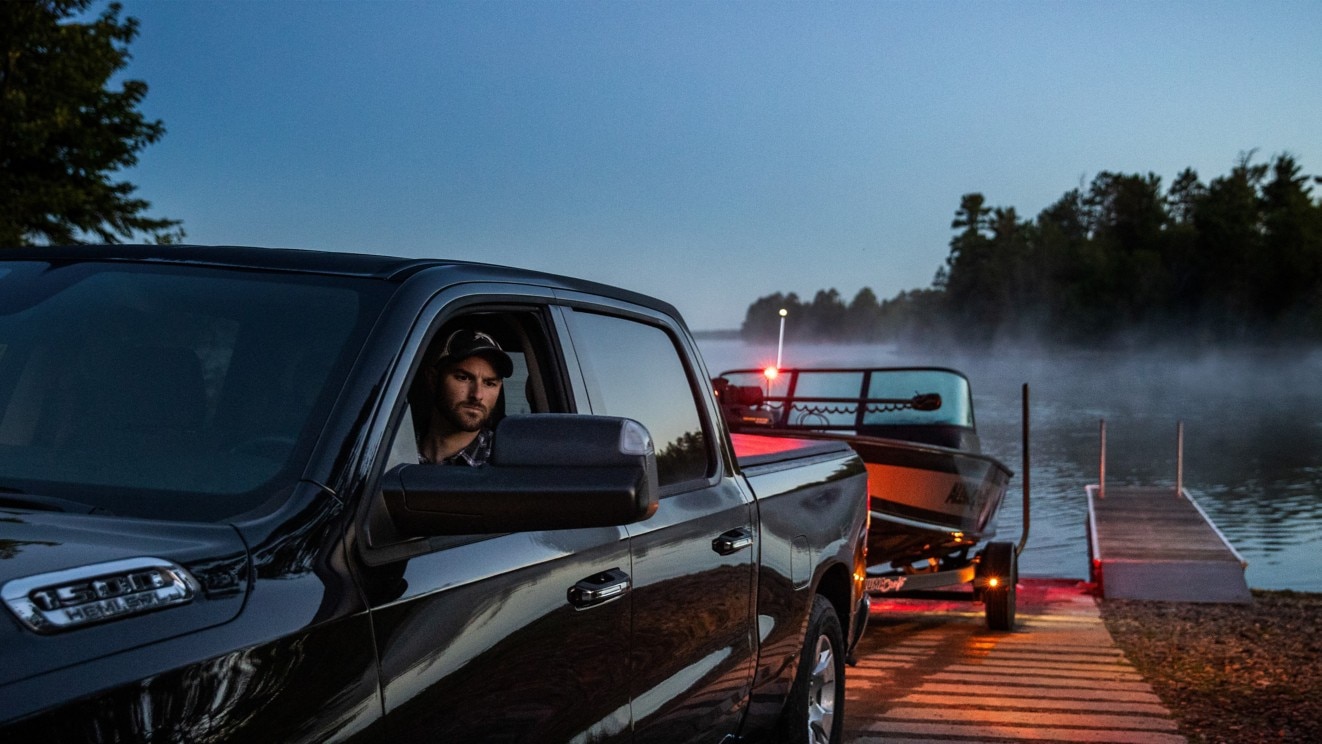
(1186,349)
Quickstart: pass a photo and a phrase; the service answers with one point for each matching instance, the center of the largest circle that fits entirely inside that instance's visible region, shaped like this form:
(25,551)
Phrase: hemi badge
(75,597)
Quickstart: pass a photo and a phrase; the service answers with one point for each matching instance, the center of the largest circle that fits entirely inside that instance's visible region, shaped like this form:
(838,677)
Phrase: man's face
(466,391)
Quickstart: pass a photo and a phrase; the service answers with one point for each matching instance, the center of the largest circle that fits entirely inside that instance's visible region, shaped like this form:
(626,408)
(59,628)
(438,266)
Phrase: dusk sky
(707,153)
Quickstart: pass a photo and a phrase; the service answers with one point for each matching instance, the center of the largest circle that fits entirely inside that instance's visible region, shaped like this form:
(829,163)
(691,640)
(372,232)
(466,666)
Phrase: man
(465,383)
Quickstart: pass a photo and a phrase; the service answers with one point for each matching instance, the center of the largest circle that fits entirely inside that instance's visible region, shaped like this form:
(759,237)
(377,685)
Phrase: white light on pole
(780,345)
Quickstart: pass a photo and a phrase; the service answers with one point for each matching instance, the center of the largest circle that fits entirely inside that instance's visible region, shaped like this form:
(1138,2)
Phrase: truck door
(693,561)
(477,636)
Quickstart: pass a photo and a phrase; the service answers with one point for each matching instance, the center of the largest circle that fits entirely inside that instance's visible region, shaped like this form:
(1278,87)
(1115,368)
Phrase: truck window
(530,389)
(635,370)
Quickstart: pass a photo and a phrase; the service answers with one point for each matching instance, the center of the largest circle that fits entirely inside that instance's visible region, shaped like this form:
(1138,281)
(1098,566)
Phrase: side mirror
(547,471)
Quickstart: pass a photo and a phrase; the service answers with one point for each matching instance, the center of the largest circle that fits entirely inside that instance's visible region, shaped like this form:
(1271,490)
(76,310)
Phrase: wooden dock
(1158,544)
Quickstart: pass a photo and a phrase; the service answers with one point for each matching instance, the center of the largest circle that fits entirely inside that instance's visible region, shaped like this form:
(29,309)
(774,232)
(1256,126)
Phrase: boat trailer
(993,572)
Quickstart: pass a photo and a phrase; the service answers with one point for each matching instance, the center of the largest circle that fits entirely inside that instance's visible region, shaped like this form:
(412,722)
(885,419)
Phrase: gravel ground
(1230,673)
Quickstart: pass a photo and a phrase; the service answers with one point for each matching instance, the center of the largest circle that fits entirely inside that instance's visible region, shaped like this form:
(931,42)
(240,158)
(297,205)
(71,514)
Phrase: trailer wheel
(815,711)
(1000,561)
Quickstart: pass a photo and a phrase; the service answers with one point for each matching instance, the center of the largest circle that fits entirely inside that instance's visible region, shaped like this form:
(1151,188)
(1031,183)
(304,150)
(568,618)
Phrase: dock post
(1023,538)
(1179,459)
(1101,476)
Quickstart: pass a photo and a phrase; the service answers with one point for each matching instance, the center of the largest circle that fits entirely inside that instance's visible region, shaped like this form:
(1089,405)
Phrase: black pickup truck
(214,525)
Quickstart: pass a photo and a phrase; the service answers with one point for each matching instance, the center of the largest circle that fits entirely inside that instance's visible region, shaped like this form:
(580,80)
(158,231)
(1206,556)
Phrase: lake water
(1252,441)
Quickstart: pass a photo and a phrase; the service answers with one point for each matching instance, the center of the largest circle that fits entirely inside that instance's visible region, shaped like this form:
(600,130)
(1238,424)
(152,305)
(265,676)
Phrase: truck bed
(759,450)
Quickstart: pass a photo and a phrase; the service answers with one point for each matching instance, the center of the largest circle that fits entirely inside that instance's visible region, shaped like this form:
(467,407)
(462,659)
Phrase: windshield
(168,391)
(896,396)
(956,402)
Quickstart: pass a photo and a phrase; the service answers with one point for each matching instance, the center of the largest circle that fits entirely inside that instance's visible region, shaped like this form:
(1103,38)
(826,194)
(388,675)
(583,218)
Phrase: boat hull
(928,502)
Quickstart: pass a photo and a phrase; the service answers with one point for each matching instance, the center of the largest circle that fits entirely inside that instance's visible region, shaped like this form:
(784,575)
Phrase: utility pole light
(780,345)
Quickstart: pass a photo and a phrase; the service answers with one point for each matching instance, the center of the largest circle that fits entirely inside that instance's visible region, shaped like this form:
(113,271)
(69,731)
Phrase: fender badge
(76,597)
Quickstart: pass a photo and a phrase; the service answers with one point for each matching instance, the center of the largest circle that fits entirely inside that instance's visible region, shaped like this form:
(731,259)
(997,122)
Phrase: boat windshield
(956,407)
(860,399)
(168,391)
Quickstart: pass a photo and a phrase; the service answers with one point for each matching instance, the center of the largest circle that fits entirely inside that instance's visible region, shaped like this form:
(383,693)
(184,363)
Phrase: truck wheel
(1000,561)
(815,712)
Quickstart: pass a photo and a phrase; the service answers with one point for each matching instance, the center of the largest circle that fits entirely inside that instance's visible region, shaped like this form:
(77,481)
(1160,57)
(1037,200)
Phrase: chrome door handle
(600,589)
(732,542)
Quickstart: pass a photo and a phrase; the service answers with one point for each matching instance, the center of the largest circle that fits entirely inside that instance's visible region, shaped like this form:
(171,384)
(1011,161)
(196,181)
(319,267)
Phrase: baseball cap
(467,342)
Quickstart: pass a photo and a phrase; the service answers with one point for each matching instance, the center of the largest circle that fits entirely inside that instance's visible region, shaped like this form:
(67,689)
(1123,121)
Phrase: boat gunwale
(934,449)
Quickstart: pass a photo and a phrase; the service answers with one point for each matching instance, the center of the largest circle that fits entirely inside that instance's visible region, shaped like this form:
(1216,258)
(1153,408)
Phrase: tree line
(1237,259)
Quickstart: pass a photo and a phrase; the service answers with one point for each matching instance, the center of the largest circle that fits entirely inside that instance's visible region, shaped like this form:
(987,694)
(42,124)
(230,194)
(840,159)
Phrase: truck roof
(366,265)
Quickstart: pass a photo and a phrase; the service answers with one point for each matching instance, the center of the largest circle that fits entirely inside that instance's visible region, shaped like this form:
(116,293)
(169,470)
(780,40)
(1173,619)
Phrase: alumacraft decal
(959,494)
(62,600)
(885,584)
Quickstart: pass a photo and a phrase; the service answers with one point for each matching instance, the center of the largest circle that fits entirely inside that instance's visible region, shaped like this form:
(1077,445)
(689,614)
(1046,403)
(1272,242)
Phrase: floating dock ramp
(1156,543)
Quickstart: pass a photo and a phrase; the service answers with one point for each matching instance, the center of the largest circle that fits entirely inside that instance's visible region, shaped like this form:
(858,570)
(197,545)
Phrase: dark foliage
(1238,260)
(64,133)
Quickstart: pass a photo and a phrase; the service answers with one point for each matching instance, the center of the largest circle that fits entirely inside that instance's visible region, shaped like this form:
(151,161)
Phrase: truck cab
(216,523)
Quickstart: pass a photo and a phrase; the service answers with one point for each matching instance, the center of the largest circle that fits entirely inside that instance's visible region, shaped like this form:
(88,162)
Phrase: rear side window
(634,370)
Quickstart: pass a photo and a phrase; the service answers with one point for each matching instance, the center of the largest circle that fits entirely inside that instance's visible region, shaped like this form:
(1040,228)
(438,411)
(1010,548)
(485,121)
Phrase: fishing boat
(934,494)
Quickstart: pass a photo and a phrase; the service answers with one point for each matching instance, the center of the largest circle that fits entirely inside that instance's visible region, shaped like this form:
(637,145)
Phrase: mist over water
(1252,442)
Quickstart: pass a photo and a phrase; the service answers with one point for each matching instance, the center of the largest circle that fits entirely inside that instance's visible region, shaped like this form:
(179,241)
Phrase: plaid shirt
(476,453)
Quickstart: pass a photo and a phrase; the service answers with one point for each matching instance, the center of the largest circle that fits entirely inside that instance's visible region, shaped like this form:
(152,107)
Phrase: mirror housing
(547,471)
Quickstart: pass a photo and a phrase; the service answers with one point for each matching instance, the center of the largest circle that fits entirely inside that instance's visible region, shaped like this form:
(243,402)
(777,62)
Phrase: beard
(465,416)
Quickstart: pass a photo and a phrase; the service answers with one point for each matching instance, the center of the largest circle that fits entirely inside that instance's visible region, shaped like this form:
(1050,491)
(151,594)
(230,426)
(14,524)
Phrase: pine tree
(64,133)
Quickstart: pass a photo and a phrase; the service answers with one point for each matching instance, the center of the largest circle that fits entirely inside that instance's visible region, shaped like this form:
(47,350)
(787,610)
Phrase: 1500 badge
(61,600)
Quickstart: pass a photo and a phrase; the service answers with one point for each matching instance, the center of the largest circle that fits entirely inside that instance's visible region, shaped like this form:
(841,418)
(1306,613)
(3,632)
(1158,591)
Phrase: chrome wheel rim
(821,693)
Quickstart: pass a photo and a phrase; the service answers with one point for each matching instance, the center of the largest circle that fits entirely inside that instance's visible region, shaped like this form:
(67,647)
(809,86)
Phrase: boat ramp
(929,672)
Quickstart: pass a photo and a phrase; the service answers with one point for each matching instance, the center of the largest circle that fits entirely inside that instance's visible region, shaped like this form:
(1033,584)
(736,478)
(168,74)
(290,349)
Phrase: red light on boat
(771,373)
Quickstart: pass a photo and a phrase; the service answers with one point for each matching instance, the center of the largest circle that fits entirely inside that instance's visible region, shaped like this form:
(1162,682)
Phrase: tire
(1001,561)
(815,711)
